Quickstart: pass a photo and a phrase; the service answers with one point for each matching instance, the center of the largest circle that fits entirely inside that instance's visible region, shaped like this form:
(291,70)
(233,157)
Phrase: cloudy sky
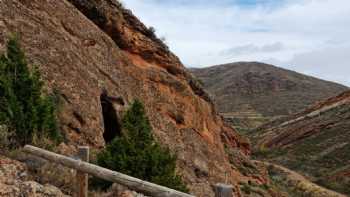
(309,36)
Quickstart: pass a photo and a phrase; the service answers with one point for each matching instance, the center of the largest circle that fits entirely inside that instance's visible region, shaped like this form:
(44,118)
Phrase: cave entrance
(112,127)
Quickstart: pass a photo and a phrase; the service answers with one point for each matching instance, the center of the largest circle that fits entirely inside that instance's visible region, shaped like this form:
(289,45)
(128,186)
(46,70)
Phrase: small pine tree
(23,107)
(137,154)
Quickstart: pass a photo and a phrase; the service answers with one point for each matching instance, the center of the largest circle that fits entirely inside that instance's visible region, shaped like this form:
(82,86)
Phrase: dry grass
(297,184)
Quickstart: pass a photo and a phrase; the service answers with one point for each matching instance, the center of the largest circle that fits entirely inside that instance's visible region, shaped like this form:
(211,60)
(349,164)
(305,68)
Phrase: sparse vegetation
(25,111)
(266,153)
(152,29)
(136,153)
(5,138)
(253,189)
(256,93)
(321,156)
(244,165)
(245,188)
(341,184)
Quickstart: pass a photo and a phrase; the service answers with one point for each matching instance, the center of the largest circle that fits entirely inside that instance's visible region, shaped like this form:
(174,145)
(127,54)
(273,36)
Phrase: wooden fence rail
(106,174)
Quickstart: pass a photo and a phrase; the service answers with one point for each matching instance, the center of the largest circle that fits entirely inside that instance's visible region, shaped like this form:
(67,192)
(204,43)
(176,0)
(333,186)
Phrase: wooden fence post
(138,185)
(223,190)
(82,178)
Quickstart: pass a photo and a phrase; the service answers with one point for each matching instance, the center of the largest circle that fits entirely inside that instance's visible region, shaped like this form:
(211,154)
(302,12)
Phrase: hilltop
(249,94)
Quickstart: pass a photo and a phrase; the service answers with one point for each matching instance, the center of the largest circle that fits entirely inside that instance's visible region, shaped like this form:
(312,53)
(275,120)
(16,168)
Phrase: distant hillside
(315,142)
(251,93)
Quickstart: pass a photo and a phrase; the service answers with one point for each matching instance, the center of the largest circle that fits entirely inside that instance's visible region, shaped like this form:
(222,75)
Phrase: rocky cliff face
(82,47)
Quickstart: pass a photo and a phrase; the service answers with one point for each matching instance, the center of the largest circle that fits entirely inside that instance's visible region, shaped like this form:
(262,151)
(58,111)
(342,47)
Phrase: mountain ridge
(262,90)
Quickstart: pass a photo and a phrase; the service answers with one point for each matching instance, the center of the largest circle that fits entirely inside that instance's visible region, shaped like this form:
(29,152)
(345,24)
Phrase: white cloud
(253,49)
(203,32)
(329,63)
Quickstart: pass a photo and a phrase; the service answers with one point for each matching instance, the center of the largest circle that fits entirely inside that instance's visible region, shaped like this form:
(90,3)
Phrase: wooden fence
(84,168)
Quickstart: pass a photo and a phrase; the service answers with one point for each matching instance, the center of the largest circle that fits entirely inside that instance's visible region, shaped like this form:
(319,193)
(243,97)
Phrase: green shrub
(137,154)
(245,188)
(152,30)
(23,107)
(5,139)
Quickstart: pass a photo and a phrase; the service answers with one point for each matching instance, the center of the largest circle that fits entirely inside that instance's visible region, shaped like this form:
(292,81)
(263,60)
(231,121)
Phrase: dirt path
(298,182)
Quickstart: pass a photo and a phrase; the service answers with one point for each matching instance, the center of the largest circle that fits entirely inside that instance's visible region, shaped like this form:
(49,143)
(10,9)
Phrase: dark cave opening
(112,127)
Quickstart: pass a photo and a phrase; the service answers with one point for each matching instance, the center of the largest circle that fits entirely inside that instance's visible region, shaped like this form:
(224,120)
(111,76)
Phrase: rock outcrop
(14,182)
(84,47)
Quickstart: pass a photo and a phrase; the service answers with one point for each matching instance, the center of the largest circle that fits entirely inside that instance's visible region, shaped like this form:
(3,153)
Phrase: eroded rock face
(78,58)
(14,183)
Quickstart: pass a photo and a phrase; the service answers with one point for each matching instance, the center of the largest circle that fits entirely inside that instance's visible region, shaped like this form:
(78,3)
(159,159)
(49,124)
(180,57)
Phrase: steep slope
(110,49)
(295,184)
(314,142)
(251,93)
